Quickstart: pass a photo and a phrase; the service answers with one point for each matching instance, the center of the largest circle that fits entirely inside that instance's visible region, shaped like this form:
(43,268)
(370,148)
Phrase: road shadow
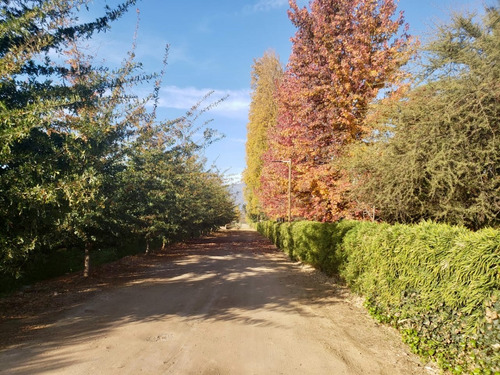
(228,276)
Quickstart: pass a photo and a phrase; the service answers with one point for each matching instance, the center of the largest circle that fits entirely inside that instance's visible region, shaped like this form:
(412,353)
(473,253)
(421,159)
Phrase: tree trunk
(147,247)
(86,264)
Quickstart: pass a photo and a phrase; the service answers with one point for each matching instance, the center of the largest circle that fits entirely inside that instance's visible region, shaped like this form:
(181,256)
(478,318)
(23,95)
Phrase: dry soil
(226,304)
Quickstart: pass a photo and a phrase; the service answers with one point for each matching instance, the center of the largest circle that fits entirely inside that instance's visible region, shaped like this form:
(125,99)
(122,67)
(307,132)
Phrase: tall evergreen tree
(436,154)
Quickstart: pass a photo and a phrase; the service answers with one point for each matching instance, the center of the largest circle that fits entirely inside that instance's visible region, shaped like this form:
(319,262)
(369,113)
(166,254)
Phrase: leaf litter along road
(229,303)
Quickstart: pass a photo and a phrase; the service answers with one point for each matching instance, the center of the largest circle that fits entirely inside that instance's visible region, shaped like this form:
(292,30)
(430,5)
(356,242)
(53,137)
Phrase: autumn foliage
(266,75)
(343,53)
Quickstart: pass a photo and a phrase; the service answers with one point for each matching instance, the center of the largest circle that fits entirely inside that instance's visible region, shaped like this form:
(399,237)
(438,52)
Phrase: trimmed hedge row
(45,265)
(438,284)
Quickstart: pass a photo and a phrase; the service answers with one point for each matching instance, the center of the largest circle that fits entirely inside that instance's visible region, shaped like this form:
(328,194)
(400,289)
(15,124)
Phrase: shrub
(438,284)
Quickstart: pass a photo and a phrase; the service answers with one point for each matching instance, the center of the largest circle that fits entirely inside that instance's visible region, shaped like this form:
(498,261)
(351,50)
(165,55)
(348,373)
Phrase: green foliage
(50,163)
(434,282)
(438,284)
(436,151)
(84,163)
(167,191)
(315,243)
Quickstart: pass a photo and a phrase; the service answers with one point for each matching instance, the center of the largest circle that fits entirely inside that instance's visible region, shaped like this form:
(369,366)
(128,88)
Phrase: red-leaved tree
(344,52)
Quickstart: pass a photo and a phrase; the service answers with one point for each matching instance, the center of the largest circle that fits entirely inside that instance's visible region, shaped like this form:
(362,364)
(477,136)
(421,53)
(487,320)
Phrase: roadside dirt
(226,304)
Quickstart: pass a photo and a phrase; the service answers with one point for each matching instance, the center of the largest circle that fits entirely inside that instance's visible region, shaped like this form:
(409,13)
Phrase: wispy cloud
(235,104)
(268,5)
(265,5)
(238,140)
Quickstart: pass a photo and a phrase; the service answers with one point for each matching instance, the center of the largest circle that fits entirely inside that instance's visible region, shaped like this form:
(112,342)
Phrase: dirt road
(227,304)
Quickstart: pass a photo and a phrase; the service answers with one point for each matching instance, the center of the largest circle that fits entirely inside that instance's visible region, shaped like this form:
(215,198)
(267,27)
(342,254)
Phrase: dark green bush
(46,265)
(438,284)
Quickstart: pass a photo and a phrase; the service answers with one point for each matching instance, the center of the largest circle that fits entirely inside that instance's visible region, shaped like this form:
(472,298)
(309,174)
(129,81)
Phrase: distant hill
(237,193)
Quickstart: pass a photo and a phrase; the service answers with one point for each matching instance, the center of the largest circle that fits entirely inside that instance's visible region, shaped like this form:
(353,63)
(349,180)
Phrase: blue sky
(213,44)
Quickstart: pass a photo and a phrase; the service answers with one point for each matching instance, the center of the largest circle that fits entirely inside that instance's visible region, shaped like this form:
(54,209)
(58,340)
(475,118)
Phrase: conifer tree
(436,154)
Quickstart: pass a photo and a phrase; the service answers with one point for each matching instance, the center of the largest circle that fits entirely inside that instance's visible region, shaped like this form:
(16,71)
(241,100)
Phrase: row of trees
(84,162)
(429,148)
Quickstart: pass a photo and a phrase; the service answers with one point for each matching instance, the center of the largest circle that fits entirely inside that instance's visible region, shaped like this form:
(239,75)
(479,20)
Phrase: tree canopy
(436,154)
(266,75)
(425,147)
(83,161)
(343,53)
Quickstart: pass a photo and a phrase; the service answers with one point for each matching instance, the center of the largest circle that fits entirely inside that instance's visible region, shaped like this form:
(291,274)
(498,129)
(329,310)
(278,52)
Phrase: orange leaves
(343,52)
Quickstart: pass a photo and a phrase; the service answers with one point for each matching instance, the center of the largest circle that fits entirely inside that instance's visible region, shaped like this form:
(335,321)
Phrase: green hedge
(46,265)
(438,284)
